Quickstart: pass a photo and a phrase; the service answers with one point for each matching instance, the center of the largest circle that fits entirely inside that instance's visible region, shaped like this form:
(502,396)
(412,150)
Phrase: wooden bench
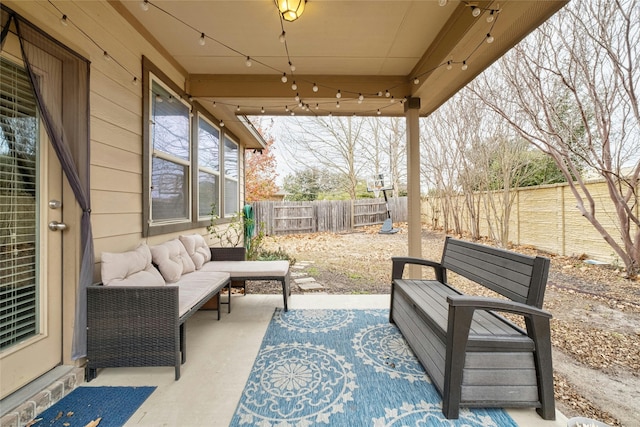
(474,356)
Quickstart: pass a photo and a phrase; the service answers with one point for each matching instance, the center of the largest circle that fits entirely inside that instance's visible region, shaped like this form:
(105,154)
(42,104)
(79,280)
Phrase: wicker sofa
(136,316)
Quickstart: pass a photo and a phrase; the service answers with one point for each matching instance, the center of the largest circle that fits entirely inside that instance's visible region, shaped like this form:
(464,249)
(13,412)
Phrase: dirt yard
(595,329)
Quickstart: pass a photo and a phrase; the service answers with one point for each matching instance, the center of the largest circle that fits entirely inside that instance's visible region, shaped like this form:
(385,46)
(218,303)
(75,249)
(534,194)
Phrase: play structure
(377,185)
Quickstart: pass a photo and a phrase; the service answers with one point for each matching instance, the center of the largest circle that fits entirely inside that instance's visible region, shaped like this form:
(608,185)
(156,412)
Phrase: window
(231,172)
(170,167)
(208,169)
(191,167)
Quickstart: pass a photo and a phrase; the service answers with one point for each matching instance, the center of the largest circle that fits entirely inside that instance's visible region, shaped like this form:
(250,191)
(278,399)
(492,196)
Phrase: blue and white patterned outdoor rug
(343,368)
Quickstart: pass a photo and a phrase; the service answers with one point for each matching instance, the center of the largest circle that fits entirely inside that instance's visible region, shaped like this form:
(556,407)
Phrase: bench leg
(90,373)
(457,336)
(540,331)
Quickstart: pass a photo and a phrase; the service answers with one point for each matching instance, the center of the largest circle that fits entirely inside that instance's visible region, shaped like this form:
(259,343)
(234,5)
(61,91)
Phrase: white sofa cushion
(197,249)
(172,260)
(193,287)
(131,268)
(249,268)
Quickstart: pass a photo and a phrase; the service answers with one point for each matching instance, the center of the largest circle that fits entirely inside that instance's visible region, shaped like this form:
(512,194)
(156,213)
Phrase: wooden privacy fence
(544,217)
(279,217)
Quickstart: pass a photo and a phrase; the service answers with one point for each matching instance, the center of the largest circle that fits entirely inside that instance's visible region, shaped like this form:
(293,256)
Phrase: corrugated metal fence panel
(281,217)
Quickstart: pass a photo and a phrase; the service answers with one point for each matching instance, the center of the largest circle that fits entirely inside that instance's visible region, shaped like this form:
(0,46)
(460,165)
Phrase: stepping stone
(298,274)
(310,286)
(299,267)
(305,280)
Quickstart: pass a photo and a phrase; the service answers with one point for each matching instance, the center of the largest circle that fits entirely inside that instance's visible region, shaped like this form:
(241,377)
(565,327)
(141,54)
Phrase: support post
(414,220)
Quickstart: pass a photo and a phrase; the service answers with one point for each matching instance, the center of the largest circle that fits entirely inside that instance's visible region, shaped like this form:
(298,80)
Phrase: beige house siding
(116,130)
(547,218)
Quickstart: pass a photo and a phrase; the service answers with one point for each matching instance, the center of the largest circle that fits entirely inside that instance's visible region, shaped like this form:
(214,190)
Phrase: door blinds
(19,137)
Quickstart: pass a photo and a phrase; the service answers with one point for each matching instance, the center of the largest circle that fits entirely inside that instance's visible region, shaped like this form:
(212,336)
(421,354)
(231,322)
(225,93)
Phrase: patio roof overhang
(356,47)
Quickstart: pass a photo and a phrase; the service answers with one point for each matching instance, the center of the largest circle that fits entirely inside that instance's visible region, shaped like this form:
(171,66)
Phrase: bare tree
(571,90)
(333,143)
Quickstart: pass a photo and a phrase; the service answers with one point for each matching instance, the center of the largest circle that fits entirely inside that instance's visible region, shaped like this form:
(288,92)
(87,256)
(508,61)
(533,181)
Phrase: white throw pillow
(197,249)
(172,260)
(131,268)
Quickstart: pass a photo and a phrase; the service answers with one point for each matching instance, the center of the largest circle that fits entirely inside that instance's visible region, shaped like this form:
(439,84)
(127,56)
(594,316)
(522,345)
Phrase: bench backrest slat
(520,278)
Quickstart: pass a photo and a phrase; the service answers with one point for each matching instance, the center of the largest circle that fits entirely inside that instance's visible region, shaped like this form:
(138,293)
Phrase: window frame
(153,73)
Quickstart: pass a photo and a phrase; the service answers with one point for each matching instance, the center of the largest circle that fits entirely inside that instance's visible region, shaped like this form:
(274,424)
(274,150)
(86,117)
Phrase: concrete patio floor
(220,355)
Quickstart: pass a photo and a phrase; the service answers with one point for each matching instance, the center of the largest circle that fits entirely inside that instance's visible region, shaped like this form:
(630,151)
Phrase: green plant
(229,234)
(280,254)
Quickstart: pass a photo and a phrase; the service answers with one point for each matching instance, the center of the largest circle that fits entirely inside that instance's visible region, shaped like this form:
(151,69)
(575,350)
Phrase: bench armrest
(400,262)
(485,303)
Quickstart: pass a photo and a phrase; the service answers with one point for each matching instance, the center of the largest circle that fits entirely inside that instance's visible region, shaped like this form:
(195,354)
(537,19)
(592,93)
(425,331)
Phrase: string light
(221,124)
(379,112)
(337,104)
(238,108)
(262,110)
(297,97)
(214,104)
(144,4)
(159,99)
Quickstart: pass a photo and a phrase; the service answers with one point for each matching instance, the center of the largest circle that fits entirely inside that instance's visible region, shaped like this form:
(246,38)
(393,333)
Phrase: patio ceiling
(356,47)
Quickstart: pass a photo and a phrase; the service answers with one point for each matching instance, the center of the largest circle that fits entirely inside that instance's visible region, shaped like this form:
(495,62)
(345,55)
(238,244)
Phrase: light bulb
(238,108)
(442,2)
(449,66)
(338,95)
(214,104)
(490,17)
(297,98)
(284,77)
(490,38)
(475,11)
(282,37)
(380,93)
(202,41)
(294,86)
(392,100)
(315,87)
(293,113)
(106,56)
(134,81)
(416,81)
(387,94)
(379,112)
(337,104)
(300,104)
(221,124)
(144,5)
(63,20)
(292,67)
(360,99)
(286,108)
(262,110)
(464,65)
(248,62)
(317,106)
(159,98)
